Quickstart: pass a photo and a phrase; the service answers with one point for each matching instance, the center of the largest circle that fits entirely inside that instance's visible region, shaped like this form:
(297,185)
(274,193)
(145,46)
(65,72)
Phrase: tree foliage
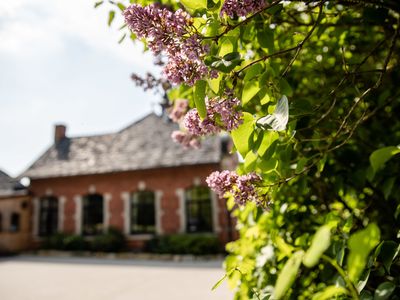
(329,226)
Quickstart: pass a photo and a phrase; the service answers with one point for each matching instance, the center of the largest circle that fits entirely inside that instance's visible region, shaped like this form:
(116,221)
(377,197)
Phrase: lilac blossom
(241,8)
(179,110)
(222,114)
(241,187)
(186,139)
(171,33)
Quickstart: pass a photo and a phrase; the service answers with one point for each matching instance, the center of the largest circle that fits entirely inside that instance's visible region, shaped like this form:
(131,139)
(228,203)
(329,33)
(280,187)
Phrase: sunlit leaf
(320,243)
(330,292)
(361,244)
(242,134)
(288,275)
(194,4)
(199,97)
(379,157)
(250,89)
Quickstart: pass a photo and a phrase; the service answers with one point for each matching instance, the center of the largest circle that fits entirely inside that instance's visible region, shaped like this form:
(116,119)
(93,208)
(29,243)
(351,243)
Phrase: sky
(61,63)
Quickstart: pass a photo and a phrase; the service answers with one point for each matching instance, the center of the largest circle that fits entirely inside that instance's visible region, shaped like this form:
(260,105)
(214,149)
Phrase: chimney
(59,133)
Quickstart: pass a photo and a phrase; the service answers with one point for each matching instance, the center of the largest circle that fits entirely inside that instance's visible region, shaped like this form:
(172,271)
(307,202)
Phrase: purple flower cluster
(222,114)
(170,33)
(179,110)
(241,187)
(241,8)
(186,139)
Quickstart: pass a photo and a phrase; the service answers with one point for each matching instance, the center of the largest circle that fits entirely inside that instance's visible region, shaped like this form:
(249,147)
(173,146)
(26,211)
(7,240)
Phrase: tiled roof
(10,186)
(146,144)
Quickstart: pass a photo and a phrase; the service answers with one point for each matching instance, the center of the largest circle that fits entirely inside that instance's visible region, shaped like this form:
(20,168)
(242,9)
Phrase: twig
(300,45)
(245,21)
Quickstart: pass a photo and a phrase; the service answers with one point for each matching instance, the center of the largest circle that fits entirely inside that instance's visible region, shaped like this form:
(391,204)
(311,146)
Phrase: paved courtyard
(38,278)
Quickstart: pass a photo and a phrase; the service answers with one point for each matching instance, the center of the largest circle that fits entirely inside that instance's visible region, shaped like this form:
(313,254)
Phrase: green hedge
(196,244)
(111,241)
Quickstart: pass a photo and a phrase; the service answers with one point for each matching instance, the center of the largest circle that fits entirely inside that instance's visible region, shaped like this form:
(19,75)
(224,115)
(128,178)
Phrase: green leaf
(330,292)
(320,243)
(214,83)
(228,44)
(97,4)
(388,252)
(268,138)
(379,157)
(361,244)
(301,164)
(265,38)
(253,71)
(384,291)
(194,4)
(250,89)
(250,161)
(199,97)
(111,16)
(388,186)
(366,295)
(288,275)
(122,38)
(242,134)
(218,283)
(285,88)
(231,56)
(121,6)
(225,65)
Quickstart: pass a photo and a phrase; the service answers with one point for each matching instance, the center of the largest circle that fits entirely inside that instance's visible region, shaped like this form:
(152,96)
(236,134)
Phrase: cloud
(60,62)
(29,29)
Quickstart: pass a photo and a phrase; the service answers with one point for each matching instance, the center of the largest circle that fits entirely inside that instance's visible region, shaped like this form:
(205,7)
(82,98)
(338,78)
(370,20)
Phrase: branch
(295,48)
(245,21)
(300,45)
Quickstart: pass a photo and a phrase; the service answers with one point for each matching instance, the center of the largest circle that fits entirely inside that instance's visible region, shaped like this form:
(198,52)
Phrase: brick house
(137,180)
(15,222)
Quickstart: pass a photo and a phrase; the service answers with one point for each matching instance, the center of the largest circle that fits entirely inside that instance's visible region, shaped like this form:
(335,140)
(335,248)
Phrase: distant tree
(310,94)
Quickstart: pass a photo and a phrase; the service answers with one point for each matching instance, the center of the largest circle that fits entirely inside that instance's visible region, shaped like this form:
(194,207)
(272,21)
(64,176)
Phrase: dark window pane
(143,212)
(92,214)
(14,225)
(198,210)
(48,216)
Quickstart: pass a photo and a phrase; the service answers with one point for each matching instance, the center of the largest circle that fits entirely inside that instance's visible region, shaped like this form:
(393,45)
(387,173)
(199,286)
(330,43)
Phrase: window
(1,222)
(92,214)
(48,216)
(14,224)
(143,212)
(198,210)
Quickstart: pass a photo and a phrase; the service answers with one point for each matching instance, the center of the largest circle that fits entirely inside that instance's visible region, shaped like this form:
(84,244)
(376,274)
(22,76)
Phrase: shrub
(111,241)
(197,244)
(55,241)
(75,243)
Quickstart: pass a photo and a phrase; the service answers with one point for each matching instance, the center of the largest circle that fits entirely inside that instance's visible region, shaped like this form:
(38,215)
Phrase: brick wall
(166,180)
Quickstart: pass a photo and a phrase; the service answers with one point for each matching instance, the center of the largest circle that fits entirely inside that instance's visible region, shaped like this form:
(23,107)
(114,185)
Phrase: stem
(353,290)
